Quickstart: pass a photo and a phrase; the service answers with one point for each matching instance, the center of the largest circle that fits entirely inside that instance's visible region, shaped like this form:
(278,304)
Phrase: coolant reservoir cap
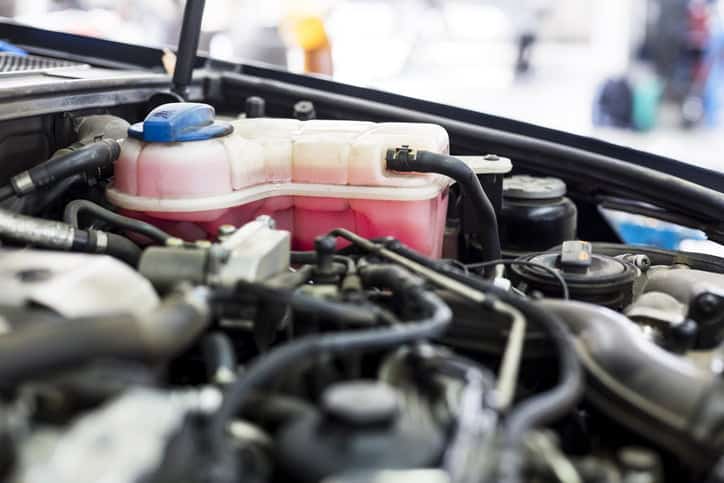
(179,122)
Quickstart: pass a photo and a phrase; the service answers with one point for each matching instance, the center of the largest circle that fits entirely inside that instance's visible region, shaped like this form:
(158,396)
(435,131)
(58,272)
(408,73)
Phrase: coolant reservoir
(188,174)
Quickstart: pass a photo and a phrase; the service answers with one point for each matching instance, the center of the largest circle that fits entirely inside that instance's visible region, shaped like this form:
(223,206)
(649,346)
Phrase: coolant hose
(42,348)
(92,157)
(406,160)
(219,357)
(437,316)
(75,207)
(61,236)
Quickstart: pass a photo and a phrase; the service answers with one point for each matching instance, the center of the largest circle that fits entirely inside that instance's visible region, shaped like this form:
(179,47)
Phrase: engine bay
(266,282)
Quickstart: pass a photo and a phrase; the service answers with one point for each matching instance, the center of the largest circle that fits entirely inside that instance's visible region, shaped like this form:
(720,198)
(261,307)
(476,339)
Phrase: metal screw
(304,111)
(491,157)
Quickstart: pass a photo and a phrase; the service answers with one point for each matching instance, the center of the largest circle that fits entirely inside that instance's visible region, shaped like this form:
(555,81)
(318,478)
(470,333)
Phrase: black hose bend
(43,348)
(120,247)
(76,207)
(61,236)
(92,157)
(406,160)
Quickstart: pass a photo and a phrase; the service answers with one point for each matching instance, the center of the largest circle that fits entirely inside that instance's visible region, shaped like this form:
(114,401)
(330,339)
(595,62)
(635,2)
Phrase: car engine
(233,283)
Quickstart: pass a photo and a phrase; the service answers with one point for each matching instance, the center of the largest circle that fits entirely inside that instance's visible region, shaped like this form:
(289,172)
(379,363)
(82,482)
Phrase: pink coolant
(311,177)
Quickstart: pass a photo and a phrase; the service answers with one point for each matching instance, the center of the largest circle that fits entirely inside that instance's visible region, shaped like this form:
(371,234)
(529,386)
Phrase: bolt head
(491,157)
(642,262)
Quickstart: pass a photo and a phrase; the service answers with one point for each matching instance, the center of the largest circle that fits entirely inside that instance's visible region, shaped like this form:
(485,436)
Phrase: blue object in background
(642,230)
(10,48)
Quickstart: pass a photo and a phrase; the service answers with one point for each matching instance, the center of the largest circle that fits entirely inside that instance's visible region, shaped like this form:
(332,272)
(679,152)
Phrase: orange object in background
(309,34)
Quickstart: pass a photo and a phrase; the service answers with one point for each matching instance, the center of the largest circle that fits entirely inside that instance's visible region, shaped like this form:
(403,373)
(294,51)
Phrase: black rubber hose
(122,248)
(88,158)
(310,258)
(6,192)
(308,305)
(44,348)
(42,199)
(61,236)
(406,160)
(35,351)
(547,406)
(219,358)
(76,207)
(542,408)
(436,319)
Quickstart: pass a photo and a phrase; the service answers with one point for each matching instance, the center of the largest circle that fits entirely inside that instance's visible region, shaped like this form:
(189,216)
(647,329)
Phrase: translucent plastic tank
(189,175)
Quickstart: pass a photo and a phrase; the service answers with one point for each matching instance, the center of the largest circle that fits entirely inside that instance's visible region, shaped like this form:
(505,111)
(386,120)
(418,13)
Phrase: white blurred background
(541,61)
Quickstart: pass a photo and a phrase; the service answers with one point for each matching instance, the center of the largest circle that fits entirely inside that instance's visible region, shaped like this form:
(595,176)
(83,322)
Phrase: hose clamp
(101,241)
(22,183)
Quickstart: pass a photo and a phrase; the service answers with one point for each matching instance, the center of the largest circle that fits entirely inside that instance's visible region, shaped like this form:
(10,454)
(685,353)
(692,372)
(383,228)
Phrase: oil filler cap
(180,122)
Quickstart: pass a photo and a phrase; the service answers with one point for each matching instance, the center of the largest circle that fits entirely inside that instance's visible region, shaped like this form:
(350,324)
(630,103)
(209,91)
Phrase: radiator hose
(92,157)
(405,159)
(43,348)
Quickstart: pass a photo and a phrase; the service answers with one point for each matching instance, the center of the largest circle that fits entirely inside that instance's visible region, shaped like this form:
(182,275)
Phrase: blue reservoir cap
(178,122)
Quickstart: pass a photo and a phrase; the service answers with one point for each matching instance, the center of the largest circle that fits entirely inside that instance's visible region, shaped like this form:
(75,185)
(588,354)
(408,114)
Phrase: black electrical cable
(554,273)
(436,319)
(92,157)
(76,207)
(406,160)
